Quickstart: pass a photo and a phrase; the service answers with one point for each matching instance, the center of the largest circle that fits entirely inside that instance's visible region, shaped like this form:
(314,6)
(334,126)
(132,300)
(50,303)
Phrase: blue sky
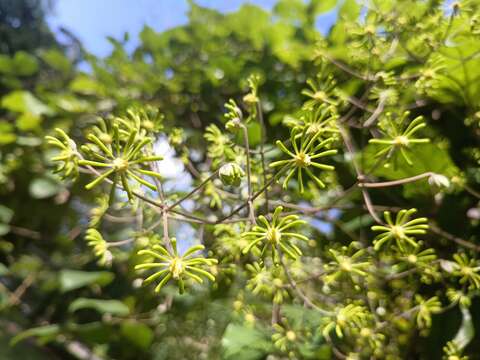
(93,20)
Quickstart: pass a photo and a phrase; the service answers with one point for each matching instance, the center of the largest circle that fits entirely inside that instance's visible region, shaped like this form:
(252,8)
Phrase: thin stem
(360,175)
(396,182)
(297,290)
(238,209)
(455,239)
(262,149)
(193,191)
(251,212)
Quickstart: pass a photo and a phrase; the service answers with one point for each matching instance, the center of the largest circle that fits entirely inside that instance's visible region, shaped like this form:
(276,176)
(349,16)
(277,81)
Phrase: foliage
(278,134)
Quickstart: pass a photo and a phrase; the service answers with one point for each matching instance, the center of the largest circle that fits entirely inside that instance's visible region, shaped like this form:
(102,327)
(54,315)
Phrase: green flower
(425,310)
(401,230)
(219,147)
(453,351)
(320,119)
(233,116)
(267,281)
(231,174)
(147,120)
(124,159)
(303,157)
(273,235)
(468,270)
(399,137)
(345,319)
(346,265)
(96,213)
(68,156)
(319,91)
(176,267)
(99,245)
(284,338)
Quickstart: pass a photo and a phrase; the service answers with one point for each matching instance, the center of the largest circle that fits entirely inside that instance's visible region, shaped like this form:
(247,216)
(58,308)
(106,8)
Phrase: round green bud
(231,174)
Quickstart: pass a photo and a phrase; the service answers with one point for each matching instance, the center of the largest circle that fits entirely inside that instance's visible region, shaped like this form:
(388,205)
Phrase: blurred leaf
(24,102)
(86,85)
(426,157)
(5,64)
(244,343)
(3,270)
(322,6)
(28,121)
(73,279)
(44,334)
(350,10)
(56,60)
(114,307)
(7,134)
(41,188)
(24,64)
(138,334)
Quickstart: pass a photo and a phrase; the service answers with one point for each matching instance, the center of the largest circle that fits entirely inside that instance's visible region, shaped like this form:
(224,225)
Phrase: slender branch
(360,175)
(262,149)
(251,213)
(455,239)
(238,209)
(204,182)
(396,182)
(373,118)
(297,290)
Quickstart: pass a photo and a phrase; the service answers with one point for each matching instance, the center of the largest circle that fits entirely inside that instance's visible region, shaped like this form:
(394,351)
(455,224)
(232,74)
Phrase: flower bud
(231,174)
(438,180)
(233,125)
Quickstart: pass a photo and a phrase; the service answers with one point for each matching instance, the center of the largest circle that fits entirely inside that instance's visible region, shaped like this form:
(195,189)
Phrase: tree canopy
(244,187)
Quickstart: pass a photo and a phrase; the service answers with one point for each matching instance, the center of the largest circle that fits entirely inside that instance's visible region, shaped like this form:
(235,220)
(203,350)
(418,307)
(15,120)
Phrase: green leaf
(43,333)
(85,85)
(28,121)
(254,133)
(350,10)
(24,102)
(432,157)
(322,6)
(5,64)
(466,332)
(57,60)
(42,188)
(114,307)
(24,64)
(7,134)
(136,333)
(244,343)
(73,279)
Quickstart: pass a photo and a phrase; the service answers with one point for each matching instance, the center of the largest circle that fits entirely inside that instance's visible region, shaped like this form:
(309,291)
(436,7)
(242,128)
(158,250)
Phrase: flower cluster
(274,237)
(306,151)
(174,266)
(401,230)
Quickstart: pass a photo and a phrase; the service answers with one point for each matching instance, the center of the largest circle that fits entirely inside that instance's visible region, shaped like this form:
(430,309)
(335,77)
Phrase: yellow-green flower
(176,267)
(304,157)
(124,159)
(68,156)
(399,137)
(273,235)
(401,230)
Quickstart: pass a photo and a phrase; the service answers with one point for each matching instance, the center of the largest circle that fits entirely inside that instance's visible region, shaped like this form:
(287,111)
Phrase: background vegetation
(385,57)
